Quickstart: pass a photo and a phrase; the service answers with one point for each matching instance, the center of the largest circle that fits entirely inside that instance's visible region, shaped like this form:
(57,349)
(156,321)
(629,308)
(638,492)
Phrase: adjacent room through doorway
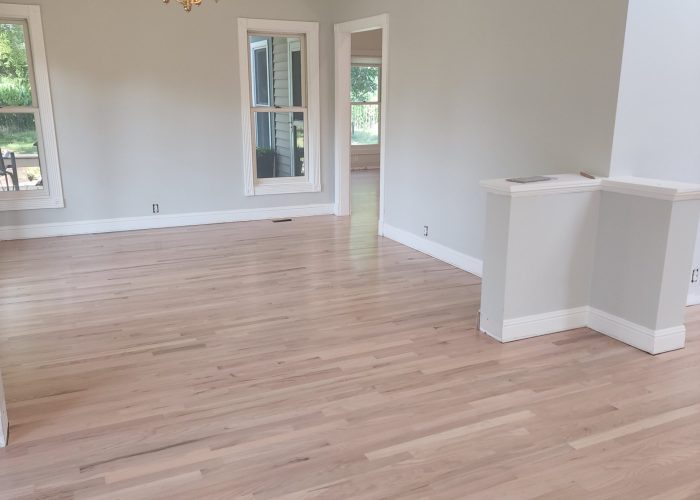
(365,110)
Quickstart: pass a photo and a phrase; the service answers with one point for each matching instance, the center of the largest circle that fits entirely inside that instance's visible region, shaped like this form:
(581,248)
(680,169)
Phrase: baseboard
(159,221)
(544,324)
(459,260)
(651,341)
(694,300)
(645,339)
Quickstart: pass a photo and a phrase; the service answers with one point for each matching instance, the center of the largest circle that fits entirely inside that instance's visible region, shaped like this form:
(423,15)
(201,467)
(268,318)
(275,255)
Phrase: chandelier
(187,4)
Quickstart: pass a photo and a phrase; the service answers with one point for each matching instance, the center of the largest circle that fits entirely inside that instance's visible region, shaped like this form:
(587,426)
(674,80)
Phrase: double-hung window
(365,96)
(29,167)
(280,106)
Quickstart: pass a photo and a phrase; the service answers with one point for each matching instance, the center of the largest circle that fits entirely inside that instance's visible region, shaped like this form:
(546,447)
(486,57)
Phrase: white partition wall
(573,252)
(539,248)
(645,248)
(694,295)
(4,424)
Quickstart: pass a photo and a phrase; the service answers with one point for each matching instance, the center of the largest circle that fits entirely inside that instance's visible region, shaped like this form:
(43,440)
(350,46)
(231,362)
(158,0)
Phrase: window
(29,169)
(365,92)
(279,92)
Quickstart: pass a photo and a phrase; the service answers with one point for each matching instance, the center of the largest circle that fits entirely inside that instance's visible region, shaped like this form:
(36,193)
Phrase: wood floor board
(314,360)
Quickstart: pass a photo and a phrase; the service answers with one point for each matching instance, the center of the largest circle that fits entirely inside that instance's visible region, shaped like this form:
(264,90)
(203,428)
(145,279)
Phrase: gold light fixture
(187,4)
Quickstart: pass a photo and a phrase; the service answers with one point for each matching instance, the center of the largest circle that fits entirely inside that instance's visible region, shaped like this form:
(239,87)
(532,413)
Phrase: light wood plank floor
(312,359)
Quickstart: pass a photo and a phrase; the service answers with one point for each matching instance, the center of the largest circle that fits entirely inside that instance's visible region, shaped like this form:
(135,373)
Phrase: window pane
(15,89)
(277,71)
(365,124)
(364,84)
(261,83)
(279,145)
(20,168)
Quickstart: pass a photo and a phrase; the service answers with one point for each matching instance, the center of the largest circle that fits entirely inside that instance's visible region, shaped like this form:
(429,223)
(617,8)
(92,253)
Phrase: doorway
(361,118)
(365,124)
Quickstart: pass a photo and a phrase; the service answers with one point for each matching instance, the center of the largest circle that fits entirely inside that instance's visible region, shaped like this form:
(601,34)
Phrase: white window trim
(52,194)
(312,181)
(367,61)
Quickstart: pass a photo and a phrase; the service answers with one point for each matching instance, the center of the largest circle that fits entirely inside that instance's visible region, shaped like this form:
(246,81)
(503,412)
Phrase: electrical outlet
(696,275)
(156,208)
(426,231)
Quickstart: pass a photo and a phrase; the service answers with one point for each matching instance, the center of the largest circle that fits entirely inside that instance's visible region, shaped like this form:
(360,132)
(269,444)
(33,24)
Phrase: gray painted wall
(496,88)
(642,256)
(657,128)
(558,277)
(147,106)
(630,255)
(491,88)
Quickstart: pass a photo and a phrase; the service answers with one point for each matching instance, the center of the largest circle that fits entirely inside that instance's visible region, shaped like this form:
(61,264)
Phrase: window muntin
(365,92)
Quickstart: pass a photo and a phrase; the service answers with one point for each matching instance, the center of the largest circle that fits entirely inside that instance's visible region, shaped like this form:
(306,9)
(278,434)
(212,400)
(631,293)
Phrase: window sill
(365,148)
(11,201)
(284,188)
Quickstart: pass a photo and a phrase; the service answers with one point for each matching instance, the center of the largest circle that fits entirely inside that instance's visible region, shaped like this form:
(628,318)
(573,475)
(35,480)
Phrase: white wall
(482,89)
(147,106)
(658,118)
(657,132)
(694,291)
(367,43)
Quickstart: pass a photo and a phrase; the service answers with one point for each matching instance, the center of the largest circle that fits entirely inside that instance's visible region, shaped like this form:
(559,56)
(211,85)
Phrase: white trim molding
(52,194)
(544,324)
(651,341)
(558,184)
(311,182)
(652,188)
(454,258)
(645,339)
(571,183)
(343,64)
(159,221)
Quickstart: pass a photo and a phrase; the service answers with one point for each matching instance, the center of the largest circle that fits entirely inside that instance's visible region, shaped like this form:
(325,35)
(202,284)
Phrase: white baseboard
(651,341)
(694,300)
(159,221)
(459,260)
(645,339)
(544,324)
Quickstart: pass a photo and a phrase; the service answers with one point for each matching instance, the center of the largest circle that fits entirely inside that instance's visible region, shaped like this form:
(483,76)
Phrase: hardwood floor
(312,359)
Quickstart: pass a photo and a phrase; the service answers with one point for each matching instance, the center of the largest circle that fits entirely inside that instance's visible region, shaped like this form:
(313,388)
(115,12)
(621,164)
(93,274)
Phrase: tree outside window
(365,96)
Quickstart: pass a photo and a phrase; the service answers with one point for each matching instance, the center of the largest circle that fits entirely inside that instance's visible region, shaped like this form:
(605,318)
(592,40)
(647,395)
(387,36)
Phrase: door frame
(343,64)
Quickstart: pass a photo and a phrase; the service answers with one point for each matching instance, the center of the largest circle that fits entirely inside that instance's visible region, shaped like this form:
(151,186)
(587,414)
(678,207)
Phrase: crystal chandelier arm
(187,4)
